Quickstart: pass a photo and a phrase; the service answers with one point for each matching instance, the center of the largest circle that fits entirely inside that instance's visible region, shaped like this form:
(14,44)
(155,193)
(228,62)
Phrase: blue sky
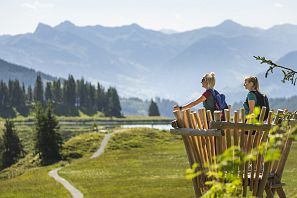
(19,16)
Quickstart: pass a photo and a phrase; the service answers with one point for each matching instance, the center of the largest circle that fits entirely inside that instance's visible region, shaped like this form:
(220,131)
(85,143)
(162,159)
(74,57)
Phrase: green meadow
(136,163)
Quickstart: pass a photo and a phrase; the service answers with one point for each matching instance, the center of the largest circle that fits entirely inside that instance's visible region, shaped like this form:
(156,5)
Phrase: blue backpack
(220,102)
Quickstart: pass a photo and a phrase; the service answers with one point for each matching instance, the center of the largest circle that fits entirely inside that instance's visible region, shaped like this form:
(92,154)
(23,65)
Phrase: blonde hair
(254,80)
(210,80)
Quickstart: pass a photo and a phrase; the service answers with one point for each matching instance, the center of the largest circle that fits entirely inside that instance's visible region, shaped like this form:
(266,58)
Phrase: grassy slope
(146,164)
(138,163)
(35,182)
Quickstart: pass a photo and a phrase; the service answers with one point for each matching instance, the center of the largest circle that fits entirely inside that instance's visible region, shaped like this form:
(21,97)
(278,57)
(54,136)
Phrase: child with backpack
(211,98)
(254,98)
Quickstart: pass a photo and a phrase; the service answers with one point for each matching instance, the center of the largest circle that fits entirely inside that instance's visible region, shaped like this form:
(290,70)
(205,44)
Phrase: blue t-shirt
(250,96)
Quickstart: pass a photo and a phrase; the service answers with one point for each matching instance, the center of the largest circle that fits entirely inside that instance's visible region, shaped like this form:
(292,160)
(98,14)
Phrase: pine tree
(100,98)
(48,91)
(113,103)
(48,140)
(6,108)
(153,109)
(19,98)
(57,92)
(81,96)
(29,95)
(38,90)
(13,148)
(69,92)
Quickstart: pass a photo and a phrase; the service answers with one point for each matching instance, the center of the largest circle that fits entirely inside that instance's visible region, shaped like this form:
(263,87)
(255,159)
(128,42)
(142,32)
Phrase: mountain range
(146,63)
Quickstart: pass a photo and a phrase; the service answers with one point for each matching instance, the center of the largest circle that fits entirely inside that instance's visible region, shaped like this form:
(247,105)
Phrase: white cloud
(37,5)
(278,5)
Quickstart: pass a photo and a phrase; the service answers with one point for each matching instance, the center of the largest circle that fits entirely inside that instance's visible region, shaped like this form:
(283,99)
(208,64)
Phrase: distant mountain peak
(229,23)
(65,24)
(42,28)
(132,26)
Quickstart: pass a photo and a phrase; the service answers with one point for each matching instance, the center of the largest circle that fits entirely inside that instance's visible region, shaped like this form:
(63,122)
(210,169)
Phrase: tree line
(68,97)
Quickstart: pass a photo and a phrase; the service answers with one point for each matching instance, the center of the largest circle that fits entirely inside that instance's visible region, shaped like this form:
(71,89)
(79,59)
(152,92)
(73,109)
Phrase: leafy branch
(289,74)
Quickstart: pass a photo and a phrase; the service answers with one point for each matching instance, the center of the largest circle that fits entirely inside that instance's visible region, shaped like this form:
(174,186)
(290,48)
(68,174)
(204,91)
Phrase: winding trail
(102,147)
(74,191)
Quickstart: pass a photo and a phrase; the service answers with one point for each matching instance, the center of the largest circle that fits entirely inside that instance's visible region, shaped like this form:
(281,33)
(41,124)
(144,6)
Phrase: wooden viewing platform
(206,137)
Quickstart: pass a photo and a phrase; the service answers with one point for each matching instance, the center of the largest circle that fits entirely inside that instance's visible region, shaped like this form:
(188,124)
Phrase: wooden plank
(245,126)
(196,132)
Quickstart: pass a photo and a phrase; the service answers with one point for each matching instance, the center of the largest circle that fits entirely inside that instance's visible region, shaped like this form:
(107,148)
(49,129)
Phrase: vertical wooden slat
(284,155)
(236,135)
(236,120)
(188,123)
(210,118)
(200,126)
(260,157)
(267,165)
(242,115)
(209,115)
(217,117)
(179,116)
(202,138)
(205,124)
(200,112)
(242,143)
(246,165)
(207,139)
(256,138)
(196,141)
(198,119)
(277,120)
(228,135)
